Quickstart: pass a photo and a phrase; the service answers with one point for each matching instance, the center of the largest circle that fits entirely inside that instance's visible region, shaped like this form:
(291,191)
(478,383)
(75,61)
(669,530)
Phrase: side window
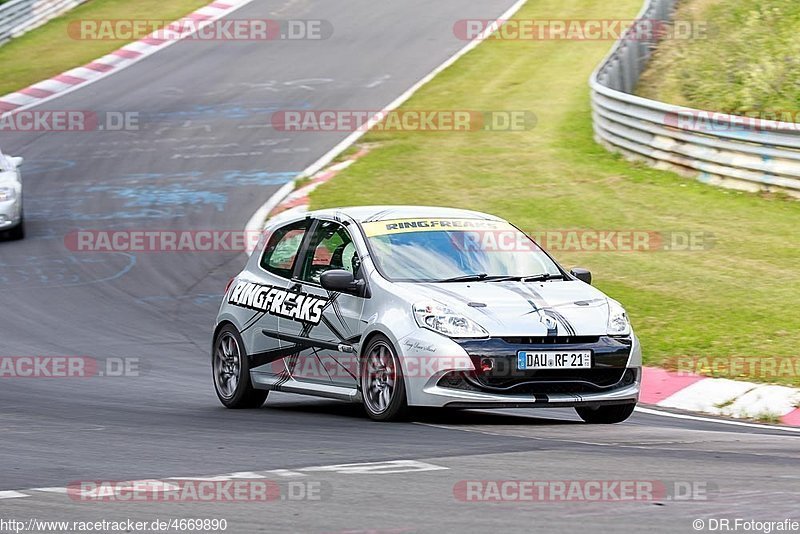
(281,250)
(330,248)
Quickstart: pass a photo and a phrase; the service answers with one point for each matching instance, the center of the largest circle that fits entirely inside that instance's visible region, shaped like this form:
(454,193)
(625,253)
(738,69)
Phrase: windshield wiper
(533,278)
(542,277)
(483,277)
(477,277)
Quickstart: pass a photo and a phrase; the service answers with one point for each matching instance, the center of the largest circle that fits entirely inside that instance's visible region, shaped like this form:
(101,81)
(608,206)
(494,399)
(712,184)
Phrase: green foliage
(748,61)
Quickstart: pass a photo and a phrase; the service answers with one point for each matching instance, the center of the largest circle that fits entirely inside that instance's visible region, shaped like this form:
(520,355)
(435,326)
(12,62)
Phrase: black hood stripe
(542,306)
(563,320)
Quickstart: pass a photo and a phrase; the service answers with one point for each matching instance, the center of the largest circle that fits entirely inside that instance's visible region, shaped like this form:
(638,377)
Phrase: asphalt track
(205,158)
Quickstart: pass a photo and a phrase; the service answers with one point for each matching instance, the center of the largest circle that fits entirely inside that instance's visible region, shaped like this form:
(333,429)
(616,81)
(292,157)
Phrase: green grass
(768,418)
(748,62)
(738,298)
(49,50)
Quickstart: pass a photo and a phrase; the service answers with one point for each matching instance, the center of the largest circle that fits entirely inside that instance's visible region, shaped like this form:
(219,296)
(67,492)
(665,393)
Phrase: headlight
(440,318)
(7,193)
(618,324)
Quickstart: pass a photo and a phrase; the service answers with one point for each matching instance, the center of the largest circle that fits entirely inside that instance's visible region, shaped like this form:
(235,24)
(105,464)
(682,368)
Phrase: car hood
(563,308)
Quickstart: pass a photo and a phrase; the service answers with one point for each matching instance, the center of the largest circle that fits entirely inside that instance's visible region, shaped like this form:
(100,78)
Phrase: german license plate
(554,359)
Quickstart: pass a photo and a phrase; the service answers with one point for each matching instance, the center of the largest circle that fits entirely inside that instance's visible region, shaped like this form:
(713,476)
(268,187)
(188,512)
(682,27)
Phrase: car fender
(635,359)
(425,357)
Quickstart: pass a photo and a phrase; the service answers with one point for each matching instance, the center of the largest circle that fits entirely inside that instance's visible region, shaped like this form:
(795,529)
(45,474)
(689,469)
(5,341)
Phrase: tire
(229,362)
(383,388)
(18,232)
(606,415)
(14,234)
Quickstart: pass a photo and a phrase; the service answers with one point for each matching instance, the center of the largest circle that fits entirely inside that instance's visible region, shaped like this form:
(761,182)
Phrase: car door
(324,344)
(272,276)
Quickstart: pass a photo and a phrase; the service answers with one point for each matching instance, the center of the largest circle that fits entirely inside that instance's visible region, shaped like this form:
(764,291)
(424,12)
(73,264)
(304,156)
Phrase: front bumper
(10,214)
(450,398)
(614,378)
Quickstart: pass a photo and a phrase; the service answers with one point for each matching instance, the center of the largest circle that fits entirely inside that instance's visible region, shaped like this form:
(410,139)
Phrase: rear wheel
(606,415)
(382,385)
(231,370)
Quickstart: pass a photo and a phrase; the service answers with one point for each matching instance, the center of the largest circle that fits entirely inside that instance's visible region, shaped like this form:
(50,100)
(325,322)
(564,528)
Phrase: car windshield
(425,250)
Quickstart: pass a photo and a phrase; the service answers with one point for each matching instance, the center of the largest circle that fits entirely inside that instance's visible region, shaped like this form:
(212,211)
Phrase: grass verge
(737,297)
(49,50)
(747,61)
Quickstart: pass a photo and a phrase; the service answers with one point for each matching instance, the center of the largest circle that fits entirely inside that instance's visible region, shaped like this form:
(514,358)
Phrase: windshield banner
(397,226)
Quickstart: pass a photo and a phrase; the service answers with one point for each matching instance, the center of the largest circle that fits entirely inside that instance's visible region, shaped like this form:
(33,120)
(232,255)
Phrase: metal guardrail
(20,16)
(717,148)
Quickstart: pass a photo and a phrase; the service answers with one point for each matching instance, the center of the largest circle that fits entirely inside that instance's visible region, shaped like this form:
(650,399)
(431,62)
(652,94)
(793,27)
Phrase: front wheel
(16,233)
(231,369)
(606,415)
(382,386)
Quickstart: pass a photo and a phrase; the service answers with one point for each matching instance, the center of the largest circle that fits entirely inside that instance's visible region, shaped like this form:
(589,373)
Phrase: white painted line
(286,473)
(12,495)
(342,165)
(20,99)
(245,475)
(84,74)
(315,167)
(377,468)
(138,46)
(51,85)
(707,396)
(50,490)
(650,411)
(222,478)
(111,60)
(767,399)
(207,10)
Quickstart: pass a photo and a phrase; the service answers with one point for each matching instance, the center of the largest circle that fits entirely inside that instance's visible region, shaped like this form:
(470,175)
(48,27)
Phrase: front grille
(595,378)
(551,340)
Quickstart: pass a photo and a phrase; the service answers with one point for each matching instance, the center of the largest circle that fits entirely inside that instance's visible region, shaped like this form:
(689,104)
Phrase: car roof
(364,214)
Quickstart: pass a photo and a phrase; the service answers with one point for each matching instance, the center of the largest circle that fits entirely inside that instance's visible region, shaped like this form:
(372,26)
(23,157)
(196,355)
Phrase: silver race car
(12,223)
(397,306)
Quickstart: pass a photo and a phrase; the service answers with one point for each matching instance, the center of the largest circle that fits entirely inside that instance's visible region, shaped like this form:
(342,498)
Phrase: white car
(398,306)
(12,222)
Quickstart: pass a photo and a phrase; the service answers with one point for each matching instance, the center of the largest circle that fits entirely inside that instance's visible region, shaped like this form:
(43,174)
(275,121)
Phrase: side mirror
(341,281)
(584,275)
(17,160)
